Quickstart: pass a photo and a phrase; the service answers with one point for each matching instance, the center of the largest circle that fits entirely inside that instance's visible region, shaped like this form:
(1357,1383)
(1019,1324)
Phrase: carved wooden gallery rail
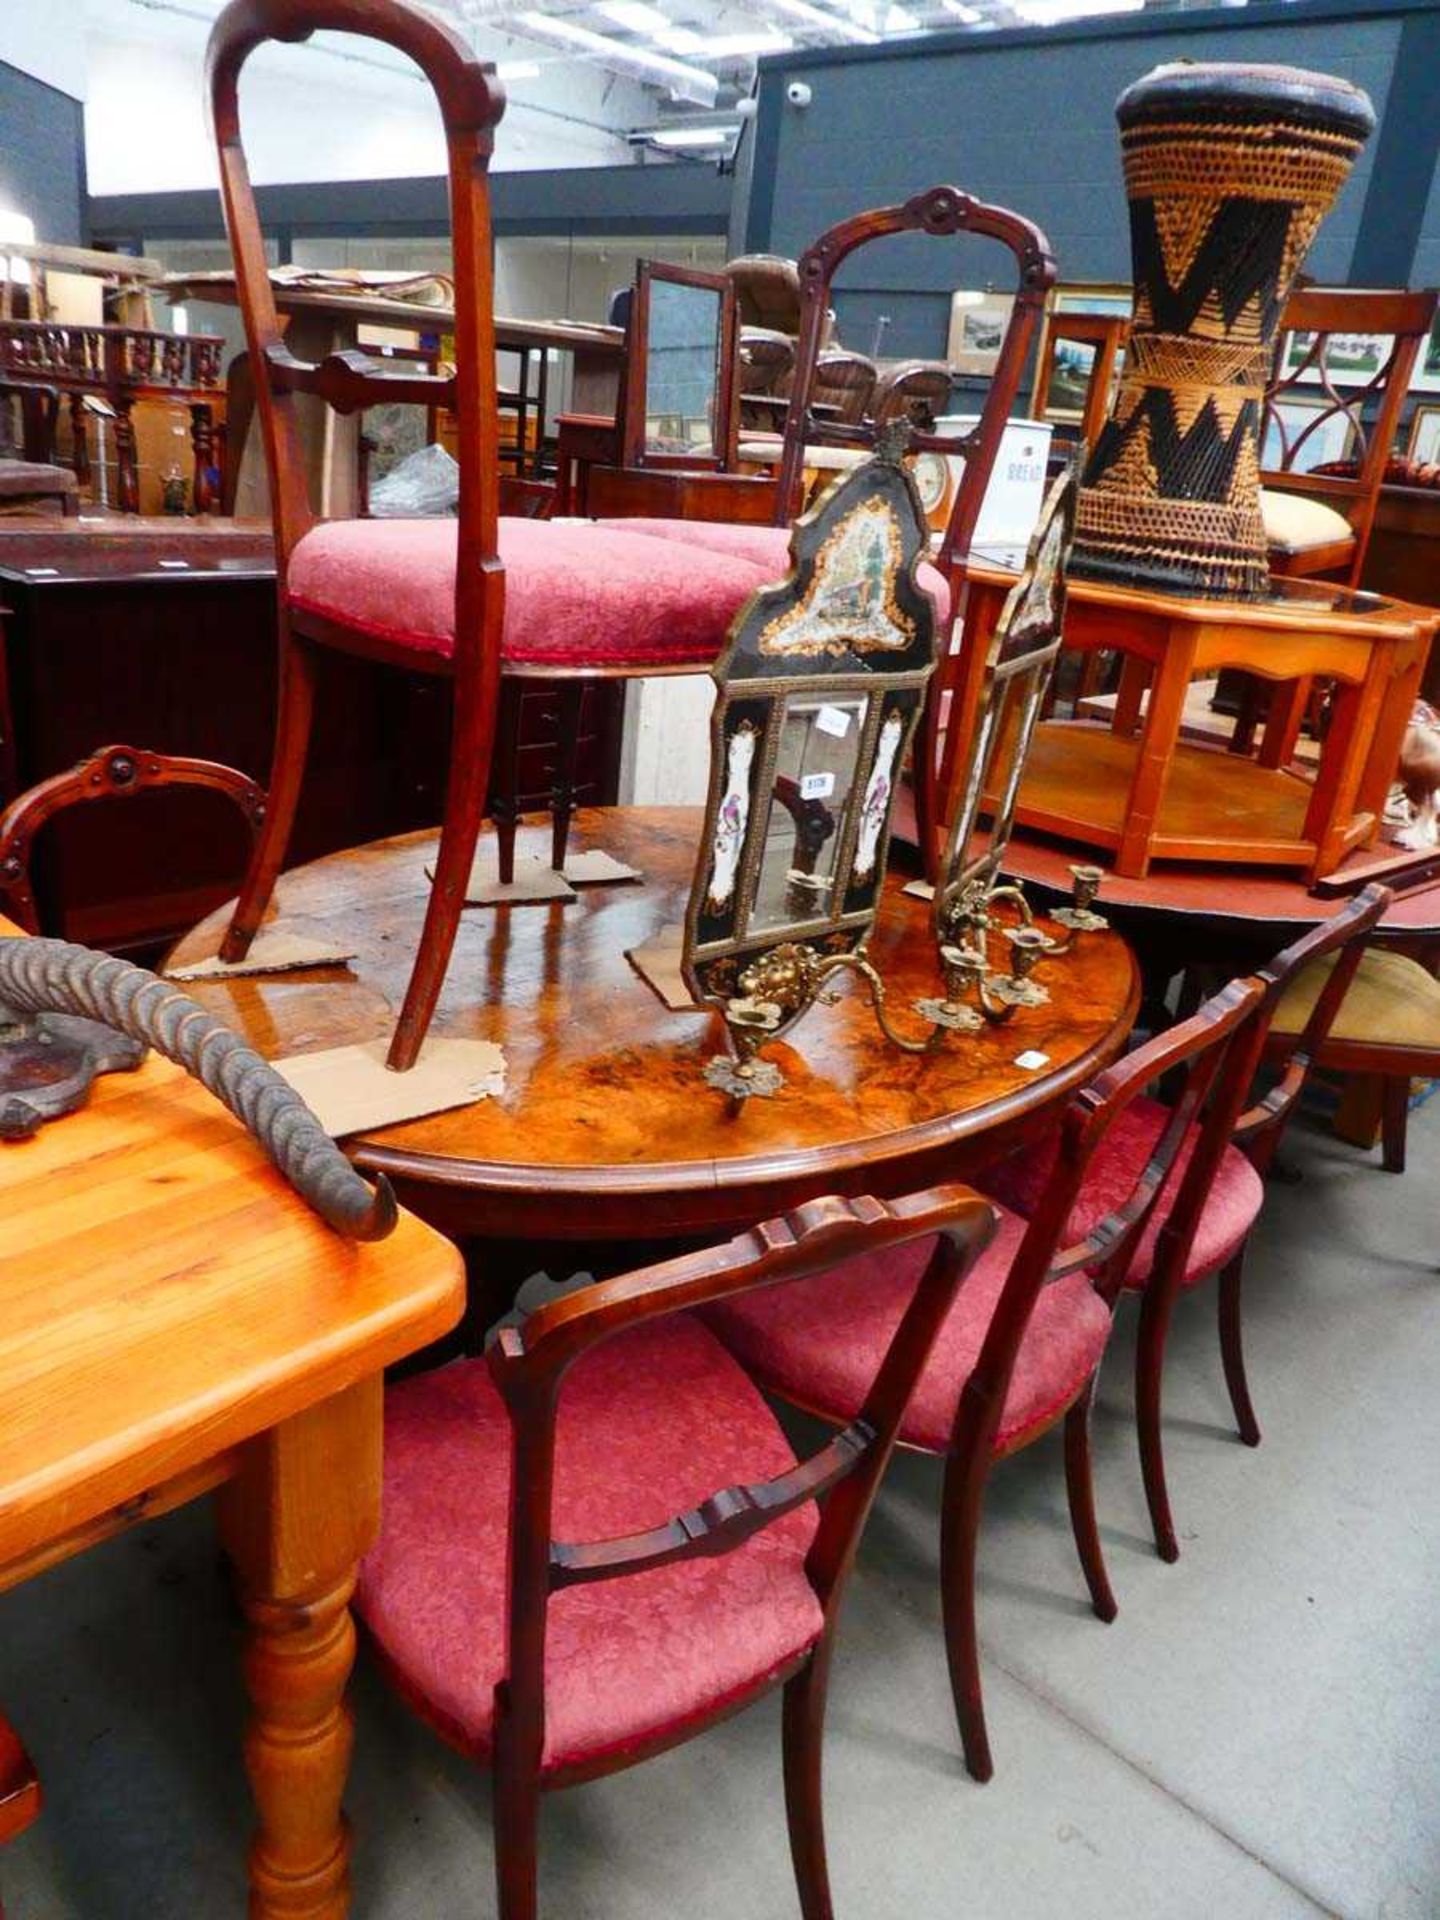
(118,365)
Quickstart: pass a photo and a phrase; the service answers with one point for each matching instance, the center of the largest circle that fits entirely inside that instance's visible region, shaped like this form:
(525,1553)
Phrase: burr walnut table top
(606,1129)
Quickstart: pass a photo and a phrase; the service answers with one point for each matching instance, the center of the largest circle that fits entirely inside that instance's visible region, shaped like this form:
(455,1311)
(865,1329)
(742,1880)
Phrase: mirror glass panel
(681,368)
(815,765)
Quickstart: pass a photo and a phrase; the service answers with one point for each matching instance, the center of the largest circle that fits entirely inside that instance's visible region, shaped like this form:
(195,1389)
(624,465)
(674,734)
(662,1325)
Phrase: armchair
(557,1461)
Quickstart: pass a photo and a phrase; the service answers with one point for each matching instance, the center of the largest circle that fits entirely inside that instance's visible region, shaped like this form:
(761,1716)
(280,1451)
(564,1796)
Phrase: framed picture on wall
(977,330)
(1294,443)
(1427,366)
(1350,359)
(1092,296)
(1424,442)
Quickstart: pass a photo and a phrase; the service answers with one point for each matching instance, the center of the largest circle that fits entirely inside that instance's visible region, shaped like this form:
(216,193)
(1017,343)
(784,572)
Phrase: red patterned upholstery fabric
(820,1341)
(576,594)
(765,547)
(1227,1217)
(650,1423)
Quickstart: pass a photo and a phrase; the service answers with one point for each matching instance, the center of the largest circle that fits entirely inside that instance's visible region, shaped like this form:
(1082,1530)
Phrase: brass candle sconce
(978,916)
(819,688)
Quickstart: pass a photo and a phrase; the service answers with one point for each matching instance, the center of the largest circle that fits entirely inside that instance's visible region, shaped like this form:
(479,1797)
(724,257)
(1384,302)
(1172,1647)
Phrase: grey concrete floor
(1256,1736)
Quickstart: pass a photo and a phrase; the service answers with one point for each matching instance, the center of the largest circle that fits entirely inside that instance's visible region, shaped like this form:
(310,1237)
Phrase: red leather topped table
(606,1130)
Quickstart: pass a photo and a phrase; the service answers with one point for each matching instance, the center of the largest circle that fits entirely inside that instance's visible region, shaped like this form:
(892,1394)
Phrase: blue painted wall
(1027,119)
(42,156)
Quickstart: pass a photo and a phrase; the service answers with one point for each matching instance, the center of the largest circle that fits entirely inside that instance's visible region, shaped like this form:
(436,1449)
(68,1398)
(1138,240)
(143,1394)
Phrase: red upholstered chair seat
(1230,1211)
(820,1341)
(765,547)
(650,1424)
(576,594)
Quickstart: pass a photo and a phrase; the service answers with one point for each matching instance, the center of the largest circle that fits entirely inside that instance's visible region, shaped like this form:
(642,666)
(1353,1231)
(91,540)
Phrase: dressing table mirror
(680,369)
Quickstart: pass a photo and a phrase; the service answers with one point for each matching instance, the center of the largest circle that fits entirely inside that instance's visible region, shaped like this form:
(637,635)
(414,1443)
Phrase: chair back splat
(111,773)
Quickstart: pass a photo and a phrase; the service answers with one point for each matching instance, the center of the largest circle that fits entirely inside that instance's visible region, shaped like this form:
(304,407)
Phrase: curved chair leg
(1394,1120)
(474,737)
(1232,1353)
(1149,1366)
(1080,1491)
(517,1851)
(804,1733)
(299,670)
(959,1529)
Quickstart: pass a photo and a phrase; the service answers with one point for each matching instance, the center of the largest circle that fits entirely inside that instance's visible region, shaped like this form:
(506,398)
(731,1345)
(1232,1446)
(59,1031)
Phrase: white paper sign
(833,720)
(816,786)
(1032,1060)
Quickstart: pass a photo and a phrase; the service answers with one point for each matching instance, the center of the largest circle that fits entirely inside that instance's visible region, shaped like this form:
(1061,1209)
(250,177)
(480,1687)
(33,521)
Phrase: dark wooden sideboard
(161,634)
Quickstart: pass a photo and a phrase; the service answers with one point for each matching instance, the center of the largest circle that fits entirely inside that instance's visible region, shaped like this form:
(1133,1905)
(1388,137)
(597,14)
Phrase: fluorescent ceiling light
(690,83)
(968,16)
(724,46)
(518,70)
(18,228)
(635,17)
(693,136)
(1050,13)
(818,17)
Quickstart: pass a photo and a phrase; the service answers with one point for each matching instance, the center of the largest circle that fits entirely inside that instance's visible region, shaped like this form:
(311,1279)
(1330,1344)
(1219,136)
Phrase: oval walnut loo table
(605,1131)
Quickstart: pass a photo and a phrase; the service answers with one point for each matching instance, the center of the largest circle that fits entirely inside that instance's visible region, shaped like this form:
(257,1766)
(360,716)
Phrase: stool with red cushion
(1234,1196)
(1023,1343)
(597,1541)
(470,598)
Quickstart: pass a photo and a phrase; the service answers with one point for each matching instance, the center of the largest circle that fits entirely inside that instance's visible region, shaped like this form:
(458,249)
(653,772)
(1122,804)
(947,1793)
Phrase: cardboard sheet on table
(351,1090)
(536,880)
(274,950)
(657,961)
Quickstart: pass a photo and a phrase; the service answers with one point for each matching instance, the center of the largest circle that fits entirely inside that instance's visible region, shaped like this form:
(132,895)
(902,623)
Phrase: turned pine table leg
(302,1510)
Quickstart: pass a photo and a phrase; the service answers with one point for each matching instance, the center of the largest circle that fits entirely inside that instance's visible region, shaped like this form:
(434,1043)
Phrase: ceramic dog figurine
(1419,776)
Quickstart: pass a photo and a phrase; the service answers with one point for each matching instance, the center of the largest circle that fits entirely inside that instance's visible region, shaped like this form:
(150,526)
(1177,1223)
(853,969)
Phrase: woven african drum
(1229,171)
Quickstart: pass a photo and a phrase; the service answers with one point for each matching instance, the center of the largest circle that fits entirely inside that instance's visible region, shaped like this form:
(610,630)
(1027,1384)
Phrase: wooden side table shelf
(1137,790)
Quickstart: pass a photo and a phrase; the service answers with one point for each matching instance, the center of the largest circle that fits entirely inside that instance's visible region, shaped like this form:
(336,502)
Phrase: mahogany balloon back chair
(942,212)
(1327,958)
(1021,1347)
(110,773)
(468,598)
(597,1541)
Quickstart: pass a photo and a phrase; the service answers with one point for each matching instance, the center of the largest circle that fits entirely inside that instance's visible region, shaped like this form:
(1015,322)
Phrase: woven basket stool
(1229,171)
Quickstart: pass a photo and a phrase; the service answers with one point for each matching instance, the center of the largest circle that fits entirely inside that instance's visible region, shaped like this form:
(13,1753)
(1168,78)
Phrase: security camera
(798,94)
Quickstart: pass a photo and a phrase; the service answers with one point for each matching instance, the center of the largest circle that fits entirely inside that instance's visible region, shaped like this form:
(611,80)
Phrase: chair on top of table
(941,212)
(533,599)
(1327,956)
(597,1541)
(1021,1348)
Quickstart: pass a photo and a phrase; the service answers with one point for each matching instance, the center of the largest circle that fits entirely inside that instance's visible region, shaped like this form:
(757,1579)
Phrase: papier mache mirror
(971,895)
(818,691)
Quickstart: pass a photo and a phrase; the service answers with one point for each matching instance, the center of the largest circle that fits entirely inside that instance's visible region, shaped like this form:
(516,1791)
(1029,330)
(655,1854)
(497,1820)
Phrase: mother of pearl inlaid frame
(818,691)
